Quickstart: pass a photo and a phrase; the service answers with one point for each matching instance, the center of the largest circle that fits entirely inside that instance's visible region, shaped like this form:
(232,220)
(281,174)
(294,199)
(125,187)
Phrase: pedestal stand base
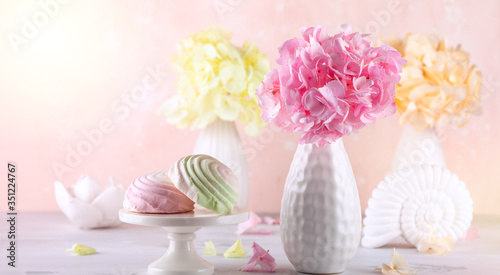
(181,257)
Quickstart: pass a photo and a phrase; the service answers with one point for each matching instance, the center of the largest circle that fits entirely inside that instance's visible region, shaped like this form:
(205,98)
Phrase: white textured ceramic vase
(220,140)
(418,148)
(320,211)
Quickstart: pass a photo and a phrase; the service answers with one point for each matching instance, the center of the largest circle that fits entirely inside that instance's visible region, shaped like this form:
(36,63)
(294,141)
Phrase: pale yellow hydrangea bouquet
(217,80)
(438,85)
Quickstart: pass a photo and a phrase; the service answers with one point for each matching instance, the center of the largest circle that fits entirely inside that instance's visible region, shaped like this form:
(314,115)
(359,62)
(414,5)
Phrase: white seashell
(88,205)
(410,202)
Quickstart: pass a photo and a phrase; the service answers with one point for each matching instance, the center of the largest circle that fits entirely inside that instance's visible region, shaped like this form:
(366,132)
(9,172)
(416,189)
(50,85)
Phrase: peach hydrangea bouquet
(438,86)
(217,80)
(328,86)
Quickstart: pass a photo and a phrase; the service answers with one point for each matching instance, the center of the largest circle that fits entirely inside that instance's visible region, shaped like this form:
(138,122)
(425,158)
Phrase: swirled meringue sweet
(155,193)
(206,181)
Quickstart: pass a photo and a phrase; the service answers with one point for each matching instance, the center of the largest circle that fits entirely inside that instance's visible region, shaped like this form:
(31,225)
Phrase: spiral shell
(155,193)
(412,202)
(206,181)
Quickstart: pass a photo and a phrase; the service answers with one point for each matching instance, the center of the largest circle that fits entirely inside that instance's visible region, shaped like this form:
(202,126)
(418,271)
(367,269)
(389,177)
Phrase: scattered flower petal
(472,234)
(435,246)
(256,231)
(209,249)
(252,222)
(249,227)
(236,250)
(81,250)
(262,258)
(399,266)
(272,221)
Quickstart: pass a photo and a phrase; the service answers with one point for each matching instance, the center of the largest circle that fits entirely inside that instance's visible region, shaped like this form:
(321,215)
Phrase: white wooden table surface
(42,240)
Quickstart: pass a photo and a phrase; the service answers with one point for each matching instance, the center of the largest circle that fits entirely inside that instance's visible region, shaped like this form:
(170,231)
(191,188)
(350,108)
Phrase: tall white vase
(320,211)
(418,148)
(220,140)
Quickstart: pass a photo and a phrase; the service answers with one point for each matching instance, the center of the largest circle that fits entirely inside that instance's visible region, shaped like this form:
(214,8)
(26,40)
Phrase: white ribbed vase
(418,148)
(320,210)
(220,140)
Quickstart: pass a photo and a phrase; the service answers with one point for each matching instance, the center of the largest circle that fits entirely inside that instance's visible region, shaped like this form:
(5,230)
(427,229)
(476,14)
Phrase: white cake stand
(181,257)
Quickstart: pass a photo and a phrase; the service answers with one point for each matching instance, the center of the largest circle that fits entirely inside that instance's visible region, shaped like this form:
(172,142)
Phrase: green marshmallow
(214,192)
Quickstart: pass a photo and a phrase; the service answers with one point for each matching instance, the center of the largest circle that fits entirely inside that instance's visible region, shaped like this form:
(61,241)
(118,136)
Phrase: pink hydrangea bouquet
(328,86)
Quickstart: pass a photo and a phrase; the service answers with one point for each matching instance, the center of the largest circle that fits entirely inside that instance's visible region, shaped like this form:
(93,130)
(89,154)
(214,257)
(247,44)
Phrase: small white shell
(410,202)
(88,205)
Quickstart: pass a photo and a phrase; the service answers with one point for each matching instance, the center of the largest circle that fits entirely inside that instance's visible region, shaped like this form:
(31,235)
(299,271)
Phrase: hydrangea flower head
(438,86)
(328,86)
(217,80)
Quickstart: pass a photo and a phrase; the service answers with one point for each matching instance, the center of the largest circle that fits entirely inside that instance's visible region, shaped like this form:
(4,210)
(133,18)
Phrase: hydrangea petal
(81,250)
(209,249)
(252,222)
(272,221)
(236,250)
(472,234)
(436,246)
(261,258)
(398,266)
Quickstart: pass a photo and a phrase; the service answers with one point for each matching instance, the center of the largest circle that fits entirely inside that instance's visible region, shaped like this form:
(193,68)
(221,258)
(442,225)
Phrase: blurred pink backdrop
(72,68)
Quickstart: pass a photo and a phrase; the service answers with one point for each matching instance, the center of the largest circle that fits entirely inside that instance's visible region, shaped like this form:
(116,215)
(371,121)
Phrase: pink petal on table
(272,221)
(255,231)
(251,223)
(262,258)
(472,234)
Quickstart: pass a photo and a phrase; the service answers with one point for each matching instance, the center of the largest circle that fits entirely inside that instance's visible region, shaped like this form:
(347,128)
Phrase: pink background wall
(76,68)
